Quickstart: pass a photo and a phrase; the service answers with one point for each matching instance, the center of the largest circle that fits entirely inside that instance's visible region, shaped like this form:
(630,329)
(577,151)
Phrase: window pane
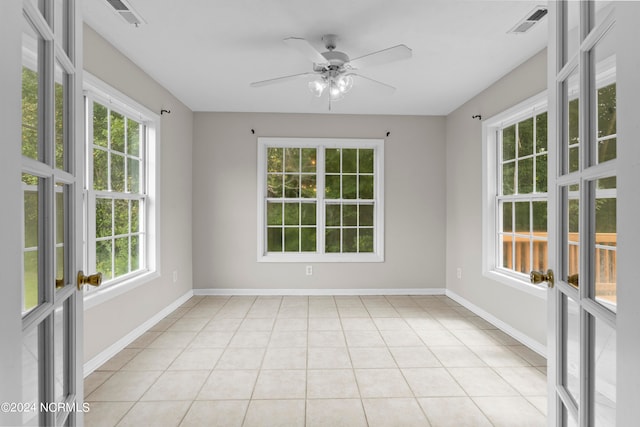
(292,159)
(274,185)
(117,131)
(525,137)
(507,251)
(308,186)
(525,176)
(308,213)
(100,170)
(308,160)
(605,95)
(30,373)
(350,240)
(133,175)
(349,160)
(333,215)
(121,212)
(103,218)
(507,218)
(605,374)
(117,172)
(571,236)
(606,110)
(570,339)
(607,149)
(121,256)
(349,186)
(274,159)
(522,217)
(332,187)
(274,213)
(332,160)
(332,240)
(308,238)
(366,240)
(133,138)
(508,178)
(274,239)
(135,253)
(291,214)
(541,133)
(104,254)
(60,196)
(573,123)
(349,215)
(509,143)
(100,125)
(292,186)
(365,160)
(32,193)
(365,217)
(291,240)
(365,187)
(541,174)
(32,45)
(539,216)
(135,216)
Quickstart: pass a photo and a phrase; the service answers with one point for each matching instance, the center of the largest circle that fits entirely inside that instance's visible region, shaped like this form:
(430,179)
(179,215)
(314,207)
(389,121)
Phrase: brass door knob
(93,279)
(538,277)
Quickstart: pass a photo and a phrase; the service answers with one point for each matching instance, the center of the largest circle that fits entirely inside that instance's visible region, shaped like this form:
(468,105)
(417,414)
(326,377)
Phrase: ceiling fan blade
(384,56)
(385,87)
(305,48)
(280,79)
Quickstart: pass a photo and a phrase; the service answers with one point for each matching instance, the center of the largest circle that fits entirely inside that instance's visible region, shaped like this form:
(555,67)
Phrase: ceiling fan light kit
(333,69)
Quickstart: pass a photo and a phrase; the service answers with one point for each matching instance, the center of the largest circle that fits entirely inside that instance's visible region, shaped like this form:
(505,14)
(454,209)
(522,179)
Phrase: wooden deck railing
(604,266)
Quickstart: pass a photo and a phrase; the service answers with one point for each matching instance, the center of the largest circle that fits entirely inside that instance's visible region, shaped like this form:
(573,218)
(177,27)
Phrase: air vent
(126,12)
(529,20)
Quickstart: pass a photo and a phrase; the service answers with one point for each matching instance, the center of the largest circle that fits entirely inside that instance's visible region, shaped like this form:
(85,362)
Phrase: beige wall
(110,321)
(524,312)
(225,209)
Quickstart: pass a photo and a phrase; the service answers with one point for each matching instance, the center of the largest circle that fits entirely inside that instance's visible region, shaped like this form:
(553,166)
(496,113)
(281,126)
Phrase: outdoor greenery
(292,199)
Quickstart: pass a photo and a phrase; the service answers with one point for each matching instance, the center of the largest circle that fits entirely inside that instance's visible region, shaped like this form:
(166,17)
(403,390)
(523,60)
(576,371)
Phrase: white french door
(583,201)
(47,389)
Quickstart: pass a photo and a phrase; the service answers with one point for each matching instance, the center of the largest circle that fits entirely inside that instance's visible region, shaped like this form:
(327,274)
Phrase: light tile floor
(320,361)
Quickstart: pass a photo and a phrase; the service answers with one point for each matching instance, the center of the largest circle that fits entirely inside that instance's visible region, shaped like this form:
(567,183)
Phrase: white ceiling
(206,52)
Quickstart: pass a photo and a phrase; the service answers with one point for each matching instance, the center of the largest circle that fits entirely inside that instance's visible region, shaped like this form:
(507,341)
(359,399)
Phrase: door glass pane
(571,26)
(60,344)
(602,9)
(570,342)
(605,98)
(30,369)
(60,114)
(571,138)
(32,196)
(61,194)
(605,241)
(571,234)
(568,419)
(605,375)
(32,45)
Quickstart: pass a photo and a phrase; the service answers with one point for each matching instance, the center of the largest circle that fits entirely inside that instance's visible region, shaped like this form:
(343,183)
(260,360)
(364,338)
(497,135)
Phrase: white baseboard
(534,345)
(114,348)
(320,292)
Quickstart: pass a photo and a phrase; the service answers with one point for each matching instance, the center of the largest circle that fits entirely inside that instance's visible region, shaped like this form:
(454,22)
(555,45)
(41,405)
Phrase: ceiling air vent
(126,12)
(529,20)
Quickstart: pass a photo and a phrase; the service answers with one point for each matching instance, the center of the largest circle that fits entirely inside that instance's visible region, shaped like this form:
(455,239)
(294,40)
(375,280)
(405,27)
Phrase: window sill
(102,295)
(297,257)
(517,281)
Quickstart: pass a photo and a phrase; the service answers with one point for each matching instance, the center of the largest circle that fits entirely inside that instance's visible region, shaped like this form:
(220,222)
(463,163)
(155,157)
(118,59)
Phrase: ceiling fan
(334,70)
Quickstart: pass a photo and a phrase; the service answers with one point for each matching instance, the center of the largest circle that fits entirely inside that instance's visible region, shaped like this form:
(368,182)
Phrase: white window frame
(99,91)
(490,179)
(320,144)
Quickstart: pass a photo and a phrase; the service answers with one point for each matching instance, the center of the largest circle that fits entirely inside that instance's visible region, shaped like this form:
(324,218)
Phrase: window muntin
(320,199)
(521,200)
(118,192)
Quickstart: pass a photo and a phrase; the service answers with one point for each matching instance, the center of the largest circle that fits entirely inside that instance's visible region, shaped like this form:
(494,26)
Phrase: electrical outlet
(309,270)
(459,272)
(175,276)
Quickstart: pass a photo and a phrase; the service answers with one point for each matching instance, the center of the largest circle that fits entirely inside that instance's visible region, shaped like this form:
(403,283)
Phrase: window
(515,192)
(120,186)
(320,199)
